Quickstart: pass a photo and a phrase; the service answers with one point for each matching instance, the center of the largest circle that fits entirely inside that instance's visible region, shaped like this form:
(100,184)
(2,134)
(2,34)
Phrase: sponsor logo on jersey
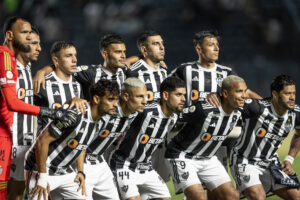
(74,144)
(146,139)
(22,93)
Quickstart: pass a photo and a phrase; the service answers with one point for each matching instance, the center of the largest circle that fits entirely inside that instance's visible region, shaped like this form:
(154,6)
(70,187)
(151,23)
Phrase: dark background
(259,38)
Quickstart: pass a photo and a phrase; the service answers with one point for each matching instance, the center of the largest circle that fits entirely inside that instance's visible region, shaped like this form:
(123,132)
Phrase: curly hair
(104,86)
(281,81)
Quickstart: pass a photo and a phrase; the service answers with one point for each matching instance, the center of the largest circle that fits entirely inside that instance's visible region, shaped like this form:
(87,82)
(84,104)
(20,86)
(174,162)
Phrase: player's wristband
(81,172)
(43,180)
(289,158)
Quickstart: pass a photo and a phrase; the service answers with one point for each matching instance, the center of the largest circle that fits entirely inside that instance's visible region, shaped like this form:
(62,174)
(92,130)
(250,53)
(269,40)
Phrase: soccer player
(131,162)
(60,84)
(266,123)
(48,162)
(23,124)
(99,178)
(17,33)
(205,76)
(149,69)
(191,153)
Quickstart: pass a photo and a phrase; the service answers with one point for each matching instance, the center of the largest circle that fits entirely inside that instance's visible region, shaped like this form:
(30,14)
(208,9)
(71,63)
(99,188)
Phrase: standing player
(23,124)
(17,33)
(131,162)
(266,123)
(60,84)
(48,162)
(191,153)
(205,76)
(149,69)
(99,179)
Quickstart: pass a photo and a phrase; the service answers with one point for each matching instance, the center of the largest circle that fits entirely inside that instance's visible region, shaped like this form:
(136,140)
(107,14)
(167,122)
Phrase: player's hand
(80,104)
(38,80)
(81,179)
(41,192)
(287,168)
(213,99)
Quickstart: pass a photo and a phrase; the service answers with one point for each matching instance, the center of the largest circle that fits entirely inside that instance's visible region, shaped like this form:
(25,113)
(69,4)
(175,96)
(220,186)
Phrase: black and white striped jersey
(150,76)
(146,132)
(68,146)
(57,92)
(201,81)
(263,131)
(22,127)
(206,129)
(114,128)
(87,75)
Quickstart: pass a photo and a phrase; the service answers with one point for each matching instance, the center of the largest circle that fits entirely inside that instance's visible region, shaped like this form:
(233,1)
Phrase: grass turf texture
(282,151)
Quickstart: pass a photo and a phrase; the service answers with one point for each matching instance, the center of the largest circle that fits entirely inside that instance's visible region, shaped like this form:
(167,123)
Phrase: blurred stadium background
(259,38)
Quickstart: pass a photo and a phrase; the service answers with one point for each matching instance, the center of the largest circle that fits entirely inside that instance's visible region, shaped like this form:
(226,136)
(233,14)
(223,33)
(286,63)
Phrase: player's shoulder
(50,76)
(136,66)
(296,108)
(223,67)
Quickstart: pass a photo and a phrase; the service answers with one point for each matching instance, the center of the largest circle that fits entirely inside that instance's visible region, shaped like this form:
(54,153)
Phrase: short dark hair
(109,39)
(103,86)
(281,81)
(142,39)
(9,22)
(59,45)
(199,37)
(35,30)
(171,84)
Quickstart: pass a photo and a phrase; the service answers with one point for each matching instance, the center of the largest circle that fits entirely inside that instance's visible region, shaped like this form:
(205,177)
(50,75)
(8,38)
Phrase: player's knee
(255,195)
(295,195)
(233,195)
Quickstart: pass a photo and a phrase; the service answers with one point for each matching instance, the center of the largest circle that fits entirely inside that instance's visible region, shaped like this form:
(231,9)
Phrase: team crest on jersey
(76,93)
(125,188)
(248,101)
(163,73)
(192,109)
(84,67)
(234,119)
(185,175)
(9,75)
(1,169)
(288,124)
(219,79)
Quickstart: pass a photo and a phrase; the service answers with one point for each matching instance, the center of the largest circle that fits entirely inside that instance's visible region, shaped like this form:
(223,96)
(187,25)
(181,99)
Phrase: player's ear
(9,35)
(143,50)
(165,95)
(104,54)
(96,100)
(125,96)
(55,60)
(225,93)
(275,94)
(198,49)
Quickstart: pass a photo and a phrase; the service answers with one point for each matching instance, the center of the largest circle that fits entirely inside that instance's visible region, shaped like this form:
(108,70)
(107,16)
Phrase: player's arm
(39,78)
(252,95)
(42,146)
(294,149)
(80,173)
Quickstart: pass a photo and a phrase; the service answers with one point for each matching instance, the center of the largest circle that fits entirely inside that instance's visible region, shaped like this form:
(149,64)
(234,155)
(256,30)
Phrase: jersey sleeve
(297,123)
(40,99)
(16,105)
(178,72)
(251,108)
(8,72)
(85,75)
(188,113)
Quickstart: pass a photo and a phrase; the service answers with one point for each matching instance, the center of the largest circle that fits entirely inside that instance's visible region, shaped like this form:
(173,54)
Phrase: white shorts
(221,154)
(62,186)
(132,184)
(247,175)
(187,172)
(100,182)
(159,163)
(17,162)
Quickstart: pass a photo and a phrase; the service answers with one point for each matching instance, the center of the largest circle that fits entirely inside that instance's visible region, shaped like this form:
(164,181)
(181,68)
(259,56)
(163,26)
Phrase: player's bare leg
(195,192)
(255,192)
(226,191)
